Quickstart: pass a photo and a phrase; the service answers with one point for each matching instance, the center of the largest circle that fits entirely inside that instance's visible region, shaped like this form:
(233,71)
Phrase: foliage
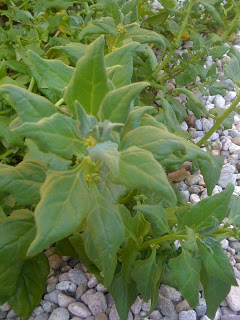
(84,160)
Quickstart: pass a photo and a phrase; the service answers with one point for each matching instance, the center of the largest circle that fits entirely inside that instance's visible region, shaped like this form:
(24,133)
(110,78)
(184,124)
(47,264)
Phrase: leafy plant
(85,161)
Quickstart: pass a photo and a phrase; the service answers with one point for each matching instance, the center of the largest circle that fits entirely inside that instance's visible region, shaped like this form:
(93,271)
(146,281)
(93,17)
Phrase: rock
(64,300)
(96,303)
(49,252)
(235,245)
(64,277)
(76,318)
(218,314)
(191,120)
(52,296)
(236,141)
(3,314)
(80,290)
(226,310)
(84,296)
(37,311)
(110,301)
(198,124)
(234,133)
(217,189)
(194,198)
(92,282)
(201,307)
(59,314)
(5,307)
(219,101)
(224,244)
(48,306)
(226,144)
(77,277)
(233,298)
(155,315)
(101,316)
(166,307)
(43,316)
(230,317)
(194,189)
(170,293)
(54,261)
(181,186)
(193,179)
(67,286)
(230,96)
(214,136)
(187,315)
(207,124)
(137,306)
(79,309)
(146,306)
(183,306)
(113,315)
(227,175)
(100,287)
(179,175)
(185,195)
(205,318)
(217,145)
(184,126)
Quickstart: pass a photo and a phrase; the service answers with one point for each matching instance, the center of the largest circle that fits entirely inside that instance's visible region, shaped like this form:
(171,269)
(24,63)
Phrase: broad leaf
(234,215)
(74,51)
(232,70)
(170,117)
(111,9)
(8,138)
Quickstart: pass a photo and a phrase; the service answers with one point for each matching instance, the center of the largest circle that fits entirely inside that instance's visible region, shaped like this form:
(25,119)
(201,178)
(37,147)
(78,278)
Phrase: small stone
(76,318)
(201,307)
(77,277)
(11,314)
(96,303)
(59,314)
(219,101)
(207,124)
(205,318)
(5,307)
(101,316)
(49,252)
(100,287)
(155,315)
(235,245)
(230,96)
(3,314)
(52,279)
(52,296)
(166,307)
(194,189)
(137,306)
(193,179)
(179,175)
(224,303)
(187,315)
(51,287)
(110,301)
(183,306)
(84,296)
(92,282)
(80,290)
(64,277)
(230,317)
(54,261)
(194,198)
(113,315)
(48,306)
(184,126)
(181,186)
(227,310)
(234,133)
(198,124)
(90,318)
(191,120)
(146,306)
(38,311)
(185,195)
(79,309)
(43,316)
(67,286)
(218,314)
(236,141)
(224,244)
(217,145)
(170,293)
(64,300)
(214,137)
(233,298)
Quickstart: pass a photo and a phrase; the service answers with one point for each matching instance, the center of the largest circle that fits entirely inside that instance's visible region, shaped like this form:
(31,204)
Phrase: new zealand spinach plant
(84,158)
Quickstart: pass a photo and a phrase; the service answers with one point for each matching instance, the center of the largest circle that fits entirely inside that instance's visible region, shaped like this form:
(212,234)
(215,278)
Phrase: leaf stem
(59,102)
(31,85)
(219,121)
(5,111)
(6,154)
(166,238)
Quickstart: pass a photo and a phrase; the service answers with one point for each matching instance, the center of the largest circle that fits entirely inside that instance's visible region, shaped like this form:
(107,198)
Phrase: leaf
(60,192)
(107,24)
(170,117)
(211,172)
(216,262)
(234,215)
(130,7)
(232,70)
(138,169)
(30,286)
(160,143)
(23,181)
(8,138)
(213,12)
(55,162)
(64,247)
(103,242)
(116,104)
(173,27)
(111,9)
(228,121)
(56,134)
(185,270)
(50,74)
(169,4)
(74,51)
(16,234)
(202,214)
(217,88)
(89,83)
(156,215)
(218,51)
(27,104)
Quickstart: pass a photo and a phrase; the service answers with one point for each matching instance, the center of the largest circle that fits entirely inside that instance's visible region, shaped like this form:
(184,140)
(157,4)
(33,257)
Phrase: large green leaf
(104,25)
(185,270)
(234,215)
(23,181)
(8,138)
(232,70)
(30,286)
(73,50)
(116,104)
(65,202)
(52,74)
(103,242)
(56,134)
(29,106)
(89,83)
(16,234)
(156,215)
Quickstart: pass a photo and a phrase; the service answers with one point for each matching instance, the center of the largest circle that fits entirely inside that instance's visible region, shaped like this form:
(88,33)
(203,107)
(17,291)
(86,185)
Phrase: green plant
(85,161)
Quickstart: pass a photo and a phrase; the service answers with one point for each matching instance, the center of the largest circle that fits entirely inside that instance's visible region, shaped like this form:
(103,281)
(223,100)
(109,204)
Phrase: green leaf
(116,104)
(156,215)
(130,7)
(179,110)
(107,24)
(74,51)
(160,143)
(173,27)
(23,181)
(211,171)
(232,70)
(89,83)
(213,12)
(86,123)
(185,270)
(30,286)
(27,104)
(60,192)
(103,242)
(169,4)
(234,215)
(8,138)
(218,51)
(111,9)
(170,117)
(56,134)
(216,262)
(64,247)
(16,234)
(50,74)
(55,162)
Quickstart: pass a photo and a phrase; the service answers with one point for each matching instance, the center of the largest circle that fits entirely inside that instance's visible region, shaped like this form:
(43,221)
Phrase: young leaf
(24,180)
(30,286)
(213,12)
(8,138)
(89,83)
(185,270)
(111,9)
(74,51)
(232,70)
(170,117)
(218,51)
(60,192)
(234,215)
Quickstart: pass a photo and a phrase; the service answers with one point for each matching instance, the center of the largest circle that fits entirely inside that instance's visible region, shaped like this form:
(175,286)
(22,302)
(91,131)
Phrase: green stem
(5,111)
(31,85)
(166,238)
(59,102)
(6,154)
(233,24)
(219,122)
(128,197)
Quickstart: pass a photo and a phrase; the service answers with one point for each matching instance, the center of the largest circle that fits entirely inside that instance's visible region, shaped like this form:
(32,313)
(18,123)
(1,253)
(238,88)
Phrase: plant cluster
(85,149)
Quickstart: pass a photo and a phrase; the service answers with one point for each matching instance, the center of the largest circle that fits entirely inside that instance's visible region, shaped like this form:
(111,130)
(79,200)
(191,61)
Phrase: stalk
(5,111)
(219,121)
(31,85)
(169,237)
(6,154)
(59,102)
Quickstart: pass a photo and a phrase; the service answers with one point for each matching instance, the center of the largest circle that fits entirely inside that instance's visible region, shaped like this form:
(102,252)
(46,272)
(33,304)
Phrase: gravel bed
(73,293)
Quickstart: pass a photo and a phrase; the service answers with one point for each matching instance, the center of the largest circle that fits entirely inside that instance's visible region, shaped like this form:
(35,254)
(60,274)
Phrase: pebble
(52,296)
(113,315)
(235,245)
(170,293)
(187,315)
(201,307)
(146,306)
(183,306)
(137,306)
(48,306)
(230,317)
(233,298)
(166,307)
(96,303)
(207,124)
(184,126)
(219,101)
(5,307)
(101,316)
(155,315)
(67,286)
(59,314)
(236,141)
(198,125)
(43,316)
(230,96)
(55,261)
(194,198)
(193,179)
(185,195)
(64,300)
(77,277)
(224,244)
(92,282)
(80,290)
(79,309)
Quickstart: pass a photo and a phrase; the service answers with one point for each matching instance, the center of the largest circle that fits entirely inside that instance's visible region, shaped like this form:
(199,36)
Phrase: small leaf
(234,215)
(170,117)
(232,70)
(218,51)
(213,12)
(8,138)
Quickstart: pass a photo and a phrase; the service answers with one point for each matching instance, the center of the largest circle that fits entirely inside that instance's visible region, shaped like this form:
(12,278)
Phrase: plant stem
(5,111)
(31,85)
(6,154)
(169,237)
(231,26)
(59,102)
(219,121)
